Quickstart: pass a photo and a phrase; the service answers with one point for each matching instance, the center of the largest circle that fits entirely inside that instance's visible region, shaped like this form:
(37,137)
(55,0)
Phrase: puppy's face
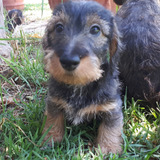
(14,18)
(77,40)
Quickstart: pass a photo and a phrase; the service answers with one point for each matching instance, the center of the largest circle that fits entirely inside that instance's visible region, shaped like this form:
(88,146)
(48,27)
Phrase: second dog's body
(139,23)
(84,83)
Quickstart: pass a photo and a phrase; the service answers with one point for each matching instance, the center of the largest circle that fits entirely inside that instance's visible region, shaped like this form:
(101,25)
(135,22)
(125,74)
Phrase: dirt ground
(34,21)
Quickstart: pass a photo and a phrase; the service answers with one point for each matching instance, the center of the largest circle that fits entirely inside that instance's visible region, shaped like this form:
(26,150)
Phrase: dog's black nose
(69,63)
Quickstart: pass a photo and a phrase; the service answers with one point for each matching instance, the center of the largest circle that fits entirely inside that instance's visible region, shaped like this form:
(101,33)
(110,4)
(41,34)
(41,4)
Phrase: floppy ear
(119,2)
(115,41)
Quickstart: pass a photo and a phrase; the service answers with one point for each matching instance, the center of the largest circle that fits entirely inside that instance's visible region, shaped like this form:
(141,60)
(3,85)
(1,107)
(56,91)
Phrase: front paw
(107,148)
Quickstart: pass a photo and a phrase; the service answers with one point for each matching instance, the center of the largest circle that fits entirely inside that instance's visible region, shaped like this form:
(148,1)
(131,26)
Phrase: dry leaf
(1,123)
(35,36)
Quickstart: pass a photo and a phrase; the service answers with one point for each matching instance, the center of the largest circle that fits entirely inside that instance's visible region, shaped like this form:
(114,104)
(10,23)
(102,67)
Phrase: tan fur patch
(114,41)
(57,131)
(87,71)
(113,46)
(59,101)
(62,104)
(109,138)
(94,109)
(91,110)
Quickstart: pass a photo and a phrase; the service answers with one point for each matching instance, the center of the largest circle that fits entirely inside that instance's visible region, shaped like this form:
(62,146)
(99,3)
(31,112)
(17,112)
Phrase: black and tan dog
(139,23)
(14,18)
(84,82)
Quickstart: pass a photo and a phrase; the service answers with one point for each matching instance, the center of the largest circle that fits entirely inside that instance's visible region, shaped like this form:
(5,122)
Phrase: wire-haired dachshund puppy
(81,46)
(139,23)
(14,18)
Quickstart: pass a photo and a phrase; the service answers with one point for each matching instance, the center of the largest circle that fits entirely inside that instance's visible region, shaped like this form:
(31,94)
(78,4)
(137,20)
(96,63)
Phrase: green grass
(22,121)
(38,11)
(36,6)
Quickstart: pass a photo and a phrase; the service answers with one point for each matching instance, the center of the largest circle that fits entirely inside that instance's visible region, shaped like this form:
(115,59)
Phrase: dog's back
(139,23)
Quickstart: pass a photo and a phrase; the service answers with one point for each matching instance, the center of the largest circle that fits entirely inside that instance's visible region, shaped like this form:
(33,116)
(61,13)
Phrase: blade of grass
(36,154)
(11,65)
(151,152)
(9,39)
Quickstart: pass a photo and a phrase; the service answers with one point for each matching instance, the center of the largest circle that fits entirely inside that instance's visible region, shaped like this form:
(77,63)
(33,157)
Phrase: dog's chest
(80,104)
(76,97)
(83,103)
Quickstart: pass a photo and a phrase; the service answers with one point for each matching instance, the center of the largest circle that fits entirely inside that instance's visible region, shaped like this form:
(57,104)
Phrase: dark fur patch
(138,21)
(85,31)
(119,2)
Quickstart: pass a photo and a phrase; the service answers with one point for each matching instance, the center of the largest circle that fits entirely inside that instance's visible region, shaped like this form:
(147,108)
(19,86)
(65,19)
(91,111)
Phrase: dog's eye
(95,29)
(59,28)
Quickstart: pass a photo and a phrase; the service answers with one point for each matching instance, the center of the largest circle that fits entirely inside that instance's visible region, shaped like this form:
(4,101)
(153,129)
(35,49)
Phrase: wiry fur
(139,23)
(92,89)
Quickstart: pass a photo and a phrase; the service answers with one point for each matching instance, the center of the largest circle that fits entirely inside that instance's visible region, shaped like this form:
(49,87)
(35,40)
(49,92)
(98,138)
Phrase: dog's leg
(110,135)
(56,120)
